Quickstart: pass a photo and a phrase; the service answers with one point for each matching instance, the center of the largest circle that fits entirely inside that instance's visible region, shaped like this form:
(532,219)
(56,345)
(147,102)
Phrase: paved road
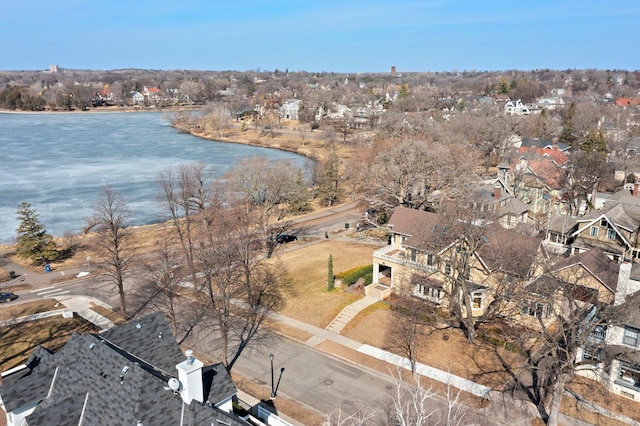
(316,379)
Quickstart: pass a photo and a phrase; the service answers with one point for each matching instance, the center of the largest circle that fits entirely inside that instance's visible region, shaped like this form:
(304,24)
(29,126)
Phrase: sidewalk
(82,306)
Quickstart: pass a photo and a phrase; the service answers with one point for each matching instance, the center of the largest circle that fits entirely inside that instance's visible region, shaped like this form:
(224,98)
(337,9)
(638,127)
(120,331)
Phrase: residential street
(313,375)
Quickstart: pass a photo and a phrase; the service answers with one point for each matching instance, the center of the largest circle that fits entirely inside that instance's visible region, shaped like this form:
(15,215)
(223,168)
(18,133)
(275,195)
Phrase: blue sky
(320,35)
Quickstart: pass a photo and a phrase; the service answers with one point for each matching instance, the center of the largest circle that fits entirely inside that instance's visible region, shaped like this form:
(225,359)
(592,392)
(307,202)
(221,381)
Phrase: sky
(320,35)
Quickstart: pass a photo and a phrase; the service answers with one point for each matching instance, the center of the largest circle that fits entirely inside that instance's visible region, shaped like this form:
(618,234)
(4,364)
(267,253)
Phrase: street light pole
(273,389)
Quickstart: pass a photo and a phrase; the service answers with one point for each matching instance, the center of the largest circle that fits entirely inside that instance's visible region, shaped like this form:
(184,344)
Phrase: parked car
(285,238)
(7,297)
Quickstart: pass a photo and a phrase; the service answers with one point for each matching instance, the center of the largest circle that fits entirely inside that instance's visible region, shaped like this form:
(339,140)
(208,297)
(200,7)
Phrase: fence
(35,317)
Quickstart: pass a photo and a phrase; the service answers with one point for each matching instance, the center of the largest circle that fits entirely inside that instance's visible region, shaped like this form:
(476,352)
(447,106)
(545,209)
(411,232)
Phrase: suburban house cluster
(596,253)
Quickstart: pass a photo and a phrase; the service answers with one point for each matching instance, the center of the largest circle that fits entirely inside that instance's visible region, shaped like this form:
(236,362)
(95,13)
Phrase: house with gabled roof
(534,179)
(497,198)
(612,352)
(516,108)
(423,253)
(589,277)
(543,144)
(614,229)
(132,374)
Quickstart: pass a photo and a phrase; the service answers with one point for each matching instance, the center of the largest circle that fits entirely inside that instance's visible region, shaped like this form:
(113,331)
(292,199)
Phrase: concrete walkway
(349,313)
(82,306)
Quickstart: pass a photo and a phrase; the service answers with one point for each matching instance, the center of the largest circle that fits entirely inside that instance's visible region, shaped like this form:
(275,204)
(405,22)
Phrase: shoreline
(102,110)
(250,142)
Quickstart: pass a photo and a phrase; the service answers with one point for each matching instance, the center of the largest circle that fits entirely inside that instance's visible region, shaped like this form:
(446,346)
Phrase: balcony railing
(399,258)
(598,334)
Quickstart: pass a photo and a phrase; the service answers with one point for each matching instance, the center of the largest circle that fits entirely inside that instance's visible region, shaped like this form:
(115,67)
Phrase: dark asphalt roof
(107,380)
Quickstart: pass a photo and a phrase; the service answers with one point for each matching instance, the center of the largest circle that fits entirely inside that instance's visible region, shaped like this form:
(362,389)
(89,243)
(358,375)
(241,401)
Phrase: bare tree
(114,242)
(417,405)
(242,289)
(411,318)
(218,119)
(360,417)
(163,288)
(264,189)
(185,197)
(564,313)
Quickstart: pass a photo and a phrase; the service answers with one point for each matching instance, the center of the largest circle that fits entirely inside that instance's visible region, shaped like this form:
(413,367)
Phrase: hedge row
(352,275)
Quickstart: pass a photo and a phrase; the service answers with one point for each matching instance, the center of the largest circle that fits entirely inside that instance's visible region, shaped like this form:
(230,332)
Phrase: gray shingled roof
(108,385)
(150,338)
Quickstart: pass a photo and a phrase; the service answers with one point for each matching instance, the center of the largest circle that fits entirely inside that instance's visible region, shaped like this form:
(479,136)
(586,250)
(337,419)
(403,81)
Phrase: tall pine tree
(33,242)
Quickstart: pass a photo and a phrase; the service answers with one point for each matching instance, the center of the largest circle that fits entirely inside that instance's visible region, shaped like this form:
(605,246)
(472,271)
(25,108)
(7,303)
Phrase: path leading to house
(350,312)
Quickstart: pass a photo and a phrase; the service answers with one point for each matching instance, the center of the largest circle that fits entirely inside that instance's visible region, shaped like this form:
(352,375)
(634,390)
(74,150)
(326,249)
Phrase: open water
(59,162)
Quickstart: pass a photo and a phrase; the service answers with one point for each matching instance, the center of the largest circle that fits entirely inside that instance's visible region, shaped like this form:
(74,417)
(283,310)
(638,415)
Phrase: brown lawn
(18,342)
(445,349)
(9,310)
(309,300)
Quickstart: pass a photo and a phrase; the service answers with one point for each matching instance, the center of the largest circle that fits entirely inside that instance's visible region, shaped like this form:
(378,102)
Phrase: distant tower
(393,70)
(53,68)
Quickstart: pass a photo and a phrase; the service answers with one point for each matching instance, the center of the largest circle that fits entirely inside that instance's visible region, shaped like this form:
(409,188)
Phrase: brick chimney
(190,376)
(623,289)
(634,191)
(497,192)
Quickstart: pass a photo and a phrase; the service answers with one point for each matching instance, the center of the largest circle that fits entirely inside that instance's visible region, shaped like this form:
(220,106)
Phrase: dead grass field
(19,341)
(15,310)
(309,300)
(288,135)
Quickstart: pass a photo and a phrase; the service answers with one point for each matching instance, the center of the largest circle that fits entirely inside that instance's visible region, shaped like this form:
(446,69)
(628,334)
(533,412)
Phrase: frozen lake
(59,162)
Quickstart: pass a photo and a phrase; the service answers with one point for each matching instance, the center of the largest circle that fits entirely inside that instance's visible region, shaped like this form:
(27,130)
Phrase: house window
(431,259)
(432,293)
(631,336)
(611,234)
(413,255)
(629,375)
(477,298)
(557,238)
(591,354)
(603,222)
(447,268)
(532,308)
(593,231)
